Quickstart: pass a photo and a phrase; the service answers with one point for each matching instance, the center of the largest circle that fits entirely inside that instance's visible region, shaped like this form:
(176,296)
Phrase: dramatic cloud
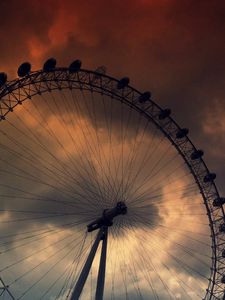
(173,48)
(176,49)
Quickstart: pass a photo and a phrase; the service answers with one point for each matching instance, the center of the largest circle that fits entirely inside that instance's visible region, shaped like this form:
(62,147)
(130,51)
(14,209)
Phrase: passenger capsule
(209,177)
(182,133)
(122,83)
(197,154)
(75,66)
(223,253)
(165,113)
(222,227)
(101,70)
(3,78)
(24,69)
(144,97)
(218,202)
(50,64)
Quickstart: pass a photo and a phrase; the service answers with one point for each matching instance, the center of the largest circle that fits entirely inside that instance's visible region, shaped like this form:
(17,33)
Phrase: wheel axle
(107,216)
(102,224)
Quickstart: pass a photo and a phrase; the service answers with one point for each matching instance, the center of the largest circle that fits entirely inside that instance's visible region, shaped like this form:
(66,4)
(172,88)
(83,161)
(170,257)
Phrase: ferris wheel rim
(101,83)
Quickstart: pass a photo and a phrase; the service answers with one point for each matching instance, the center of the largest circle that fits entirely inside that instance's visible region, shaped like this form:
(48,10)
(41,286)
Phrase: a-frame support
(102,224)
(102,235)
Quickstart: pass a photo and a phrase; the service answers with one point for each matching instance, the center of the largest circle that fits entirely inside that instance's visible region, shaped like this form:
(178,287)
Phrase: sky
(175,49)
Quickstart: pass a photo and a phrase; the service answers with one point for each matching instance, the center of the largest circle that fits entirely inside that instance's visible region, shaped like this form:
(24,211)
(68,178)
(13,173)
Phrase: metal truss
(13,93)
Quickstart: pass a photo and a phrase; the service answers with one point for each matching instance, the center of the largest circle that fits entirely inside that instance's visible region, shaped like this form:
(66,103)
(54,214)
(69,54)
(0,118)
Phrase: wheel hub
(107,216)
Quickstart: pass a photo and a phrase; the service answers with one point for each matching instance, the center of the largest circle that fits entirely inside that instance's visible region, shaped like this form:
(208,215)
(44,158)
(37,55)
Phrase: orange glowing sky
(173,48)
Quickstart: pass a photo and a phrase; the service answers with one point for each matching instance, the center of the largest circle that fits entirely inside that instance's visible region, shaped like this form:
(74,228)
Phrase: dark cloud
(176,49)
(173,48)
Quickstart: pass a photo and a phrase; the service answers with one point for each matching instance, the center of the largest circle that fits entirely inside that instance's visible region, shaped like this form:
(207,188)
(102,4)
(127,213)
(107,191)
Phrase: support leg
(86,269)
(102,266)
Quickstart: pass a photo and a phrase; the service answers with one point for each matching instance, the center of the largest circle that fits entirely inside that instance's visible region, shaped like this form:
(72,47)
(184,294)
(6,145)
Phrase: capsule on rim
(3,78)
(182,133)
(101,70)
(165,113)
(209,177)
(222,227)
(50,64)
(75,66)
(197,154)
(24,69)
(122,83)
(146,96)
(218,201)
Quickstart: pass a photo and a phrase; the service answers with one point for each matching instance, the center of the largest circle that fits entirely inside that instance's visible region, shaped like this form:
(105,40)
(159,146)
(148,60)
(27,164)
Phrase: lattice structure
(15,92)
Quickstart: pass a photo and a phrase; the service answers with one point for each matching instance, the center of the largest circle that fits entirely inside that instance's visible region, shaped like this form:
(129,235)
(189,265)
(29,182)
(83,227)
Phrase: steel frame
(14,92)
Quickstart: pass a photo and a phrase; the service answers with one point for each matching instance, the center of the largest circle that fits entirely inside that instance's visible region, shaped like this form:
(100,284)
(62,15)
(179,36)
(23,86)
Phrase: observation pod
(222,227)
(24,69)
(223,280)
(197,154)
(50,64)
(75,66)
(122,83)
(182,133)
(218,202)
(101,70)
(3,78)
(146,96)
(165,113)
(209,177)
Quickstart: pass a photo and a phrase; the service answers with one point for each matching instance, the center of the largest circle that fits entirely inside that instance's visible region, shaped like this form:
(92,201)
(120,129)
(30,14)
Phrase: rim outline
(14,92)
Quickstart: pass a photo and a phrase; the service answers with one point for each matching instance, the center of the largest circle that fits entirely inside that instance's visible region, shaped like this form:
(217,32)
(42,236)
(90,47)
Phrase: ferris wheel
(102,194)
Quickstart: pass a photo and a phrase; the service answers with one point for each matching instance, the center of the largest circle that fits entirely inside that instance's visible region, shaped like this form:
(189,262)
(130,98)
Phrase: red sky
(173,48)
